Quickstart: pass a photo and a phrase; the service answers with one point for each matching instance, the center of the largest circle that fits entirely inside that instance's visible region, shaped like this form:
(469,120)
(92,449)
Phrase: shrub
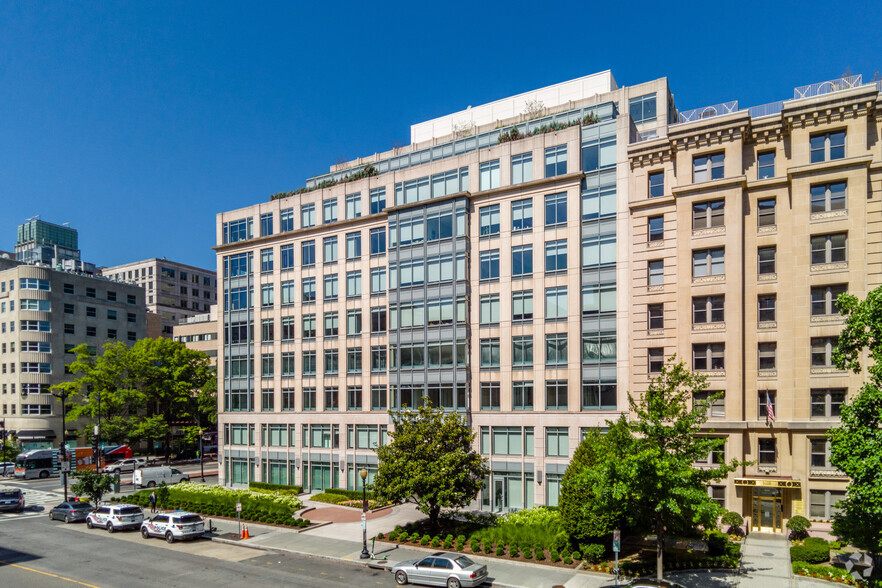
(436,542)
(540,554)
(381,536)
(560,542)
(425,540)
(565,553)
(732,519)
(814,553)
(448,542)
(835,545)
(528,553)
(593,552)
(716,543)
(414,537)
(513,550)
(500,549)
(555,556)
(568,560)
(460,541)
(799,526)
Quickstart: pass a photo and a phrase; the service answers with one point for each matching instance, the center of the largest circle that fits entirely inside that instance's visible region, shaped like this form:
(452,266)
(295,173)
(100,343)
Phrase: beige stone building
(174,291)
(199,332)
(44,313)
(510,264)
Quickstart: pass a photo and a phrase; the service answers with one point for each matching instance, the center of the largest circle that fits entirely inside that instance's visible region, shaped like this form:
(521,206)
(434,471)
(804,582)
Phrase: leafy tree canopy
(429,461)
(92,484)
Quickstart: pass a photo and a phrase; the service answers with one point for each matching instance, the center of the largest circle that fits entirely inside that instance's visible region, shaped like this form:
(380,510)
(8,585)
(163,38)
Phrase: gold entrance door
(767,510)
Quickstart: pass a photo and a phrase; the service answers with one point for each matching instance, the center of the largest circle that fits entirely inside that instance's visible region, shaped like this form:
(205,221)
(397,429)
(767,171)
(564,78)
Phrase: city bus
(37,463)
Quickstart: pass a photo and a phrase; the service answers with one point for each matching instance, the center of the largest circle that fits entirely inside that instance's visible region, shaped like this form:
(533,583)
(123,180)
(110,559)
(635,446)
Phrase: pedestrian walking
(153,502)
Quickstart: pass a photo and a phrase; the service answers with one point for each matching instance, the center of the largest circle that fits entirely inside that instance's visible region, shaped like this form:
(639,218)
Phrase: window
(557,442)
(556,349)
(556,303)
(307,253)
(708,309)
(267,362)
(522,395)
(521,168)
(287,292)
(332,361)
(522,351)
(765,165)
(642,108)
(309,363)
(378,280)
(829,248)
(332,324)
(767,452)
(378,358)
(489,305)
(824,299)
(556,255)
(555,209)
(489,352)
(353,322)
(332,397)
(716,408)
(656,316)
(332,288)
(307,215)
(330,250)
(656,269)
(599,251)
(598,298)
(288,363)
(267,330)
(353,360)
(489,174)
(266,224)
(308,290)
(822,351)
(766,307)
(827,146)
(656,228)
(68,309)
(353,284)
(598,153)
(286,220)
(599,347)
(309,326)
(708,262)
(767,260)
(490,396)
(378,241)
(378,397)
(828,197)
(707,167)
(353,398)
(556,395)
(827,402)
(522,305)
(329,210)
(708,214)
(490,220)
(598,202)
(823,503)
(656,184)
(378,319)
(287,253)
(820,454)
(522,260)
(353,205)
(237,230)
(378,200)
(708,357)
(598,395)
(555,161)
(522,215)
(765,212)
(353,245)
(766,359)
(490,264)
(68,289)
(266,295)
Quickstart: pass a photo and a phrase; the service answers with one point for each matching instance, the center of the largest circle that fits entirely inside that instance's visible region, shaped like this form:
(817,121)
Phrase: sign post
(617,546)
(239,516)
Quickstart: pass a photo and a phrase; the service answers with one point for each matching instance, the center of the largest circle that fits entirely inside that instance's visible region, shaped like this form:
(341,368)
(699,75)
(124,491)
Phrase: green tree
(429,461)
(92,484)
(856,444)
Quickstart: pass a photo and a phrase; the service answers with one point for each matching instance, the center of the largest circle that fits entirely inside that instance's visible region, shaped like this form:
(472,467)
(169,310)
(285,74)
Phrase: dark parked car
(441,569)
(12,500)
(71,511)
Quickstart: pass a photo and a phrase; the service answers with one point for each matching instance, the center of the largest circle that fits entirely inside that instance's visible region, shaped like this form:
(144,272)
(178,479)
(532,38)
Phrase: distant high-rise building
(39,241)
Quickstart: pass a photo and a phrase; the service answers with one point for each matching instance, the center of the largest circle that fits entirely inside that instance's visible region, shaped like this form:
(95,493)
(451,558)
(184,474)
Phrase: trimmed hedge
(349,494)
(330,498)
(813,552)
(280,488)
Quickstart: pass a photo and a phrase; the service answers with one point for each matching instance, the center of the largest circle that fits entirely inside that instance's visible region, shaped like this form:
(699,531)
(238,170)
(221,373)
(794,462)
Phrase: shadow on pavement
(11,556)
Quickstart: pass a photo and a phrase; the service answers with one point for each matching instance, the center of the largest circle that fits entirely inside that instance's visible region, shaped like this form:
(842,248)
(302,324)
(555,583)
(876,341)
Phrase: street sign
(65,467)
(238,507)
(617,546)
(363,517)
(617,542)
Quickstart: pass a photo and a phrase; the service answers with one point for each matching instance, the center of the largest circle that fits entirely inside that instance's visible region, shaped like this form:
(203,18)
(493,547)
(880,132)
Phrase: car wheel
(400,577)
(151,484)
(67,519)
(169,537)
(44,474)
(453,583)
(144,533)
(89,523)
(110,528)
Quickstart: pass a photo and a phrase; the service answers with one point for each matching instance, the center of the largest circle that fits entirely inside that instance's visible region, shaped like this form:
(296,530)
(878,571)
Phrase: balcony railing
(843,83)
(766,109)
(708,111)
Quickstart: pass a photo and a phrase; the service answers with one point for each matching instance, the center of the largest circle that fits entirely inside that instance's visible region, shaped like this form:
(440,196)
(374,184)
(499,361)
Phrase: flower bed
(257,507)
(821,572)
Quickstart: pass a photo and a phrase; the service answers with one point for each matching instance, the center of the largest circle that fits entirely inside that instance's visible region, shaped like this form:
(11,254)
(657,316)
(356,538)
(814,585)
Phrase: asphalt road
(37,552)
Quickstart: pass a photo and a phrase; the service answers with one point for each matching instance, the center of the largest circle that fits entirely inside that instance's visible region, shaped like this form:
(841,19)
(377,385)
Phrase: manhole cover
(767,554)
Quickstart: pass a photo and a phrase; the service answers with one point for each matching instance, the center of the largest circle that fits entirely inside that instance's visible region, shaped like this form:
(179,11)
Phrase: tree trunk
(434,513)
(659,548)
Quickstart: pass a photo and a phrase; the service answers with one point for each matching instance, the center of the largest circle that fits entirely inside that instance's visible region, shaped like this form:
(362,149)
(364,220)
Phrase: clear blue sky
(138,121)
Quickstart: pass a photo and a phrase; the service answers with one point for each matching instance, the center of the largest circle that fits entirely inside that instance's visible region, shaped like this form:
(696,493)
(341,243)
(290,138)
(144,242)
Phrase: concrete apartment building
(519,277)
(199,332)
(44,313)
(174,291)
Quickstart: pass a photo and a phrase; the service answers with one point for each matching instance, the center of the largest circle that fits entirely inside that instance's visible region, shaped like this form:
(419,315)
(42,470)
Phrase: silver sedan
(441,569)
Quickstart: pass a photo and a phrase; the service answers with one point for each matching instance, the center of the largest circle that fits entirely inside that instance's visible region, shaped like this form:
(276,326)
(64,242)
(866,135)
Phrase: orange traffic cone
(245,534)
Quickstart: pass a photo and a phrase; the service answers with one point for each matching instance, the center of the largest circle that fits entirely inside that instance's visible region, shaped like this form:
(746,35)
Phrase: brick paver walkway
(342,514)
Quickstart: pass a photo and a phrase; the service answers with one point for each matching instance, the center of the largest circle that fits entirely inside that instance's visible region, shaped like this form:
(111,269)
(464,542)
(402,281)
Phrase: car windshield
(464,562)
(191,519)
(9,493)
(130,510)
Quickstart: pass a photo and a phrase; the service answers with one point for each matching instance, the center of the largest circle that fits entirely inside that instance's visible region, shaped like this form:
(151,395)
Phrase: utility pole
(62,395)
(201,458)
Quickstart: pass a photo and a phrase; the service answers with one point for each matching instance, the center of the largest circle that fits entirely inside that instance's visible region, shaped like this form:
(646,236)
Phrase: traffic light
(62,451)
(95,444)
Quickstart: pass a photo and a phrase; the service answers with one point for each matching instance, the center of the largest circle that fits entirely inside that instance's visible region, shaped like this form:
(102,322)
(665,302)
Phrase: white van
(150,477)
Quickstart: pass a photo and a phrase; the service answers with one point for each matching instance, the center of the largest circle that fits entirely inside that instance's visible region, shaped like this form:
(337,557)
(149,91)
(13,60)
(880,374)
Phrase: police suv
(174,526)
(115,517)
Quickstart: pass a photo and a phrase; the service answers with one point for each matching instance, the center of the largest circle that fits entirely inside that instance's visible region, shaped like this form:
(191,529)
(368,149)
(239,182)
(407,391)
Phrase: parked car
(12,500)
(70,512)
(441,569)
(7,468)
(115,517)
(151,477)
(174,526)
(126,465)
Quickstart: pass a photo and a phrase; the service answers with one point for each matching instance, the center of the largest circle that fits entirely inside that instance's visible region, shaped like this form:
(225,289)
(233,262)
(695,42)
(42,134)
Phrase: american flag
(770,409)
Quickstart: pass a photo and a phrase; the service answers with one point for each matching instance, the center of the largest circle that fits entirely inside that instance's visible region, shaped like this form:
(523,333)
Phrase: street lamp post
(62,396)
(201,458)
(364,508)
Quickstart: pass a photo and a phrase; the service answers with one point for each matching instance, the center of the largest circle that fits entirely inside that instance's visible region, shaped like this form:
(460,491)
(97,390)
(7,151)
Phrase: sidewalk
(765,561)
